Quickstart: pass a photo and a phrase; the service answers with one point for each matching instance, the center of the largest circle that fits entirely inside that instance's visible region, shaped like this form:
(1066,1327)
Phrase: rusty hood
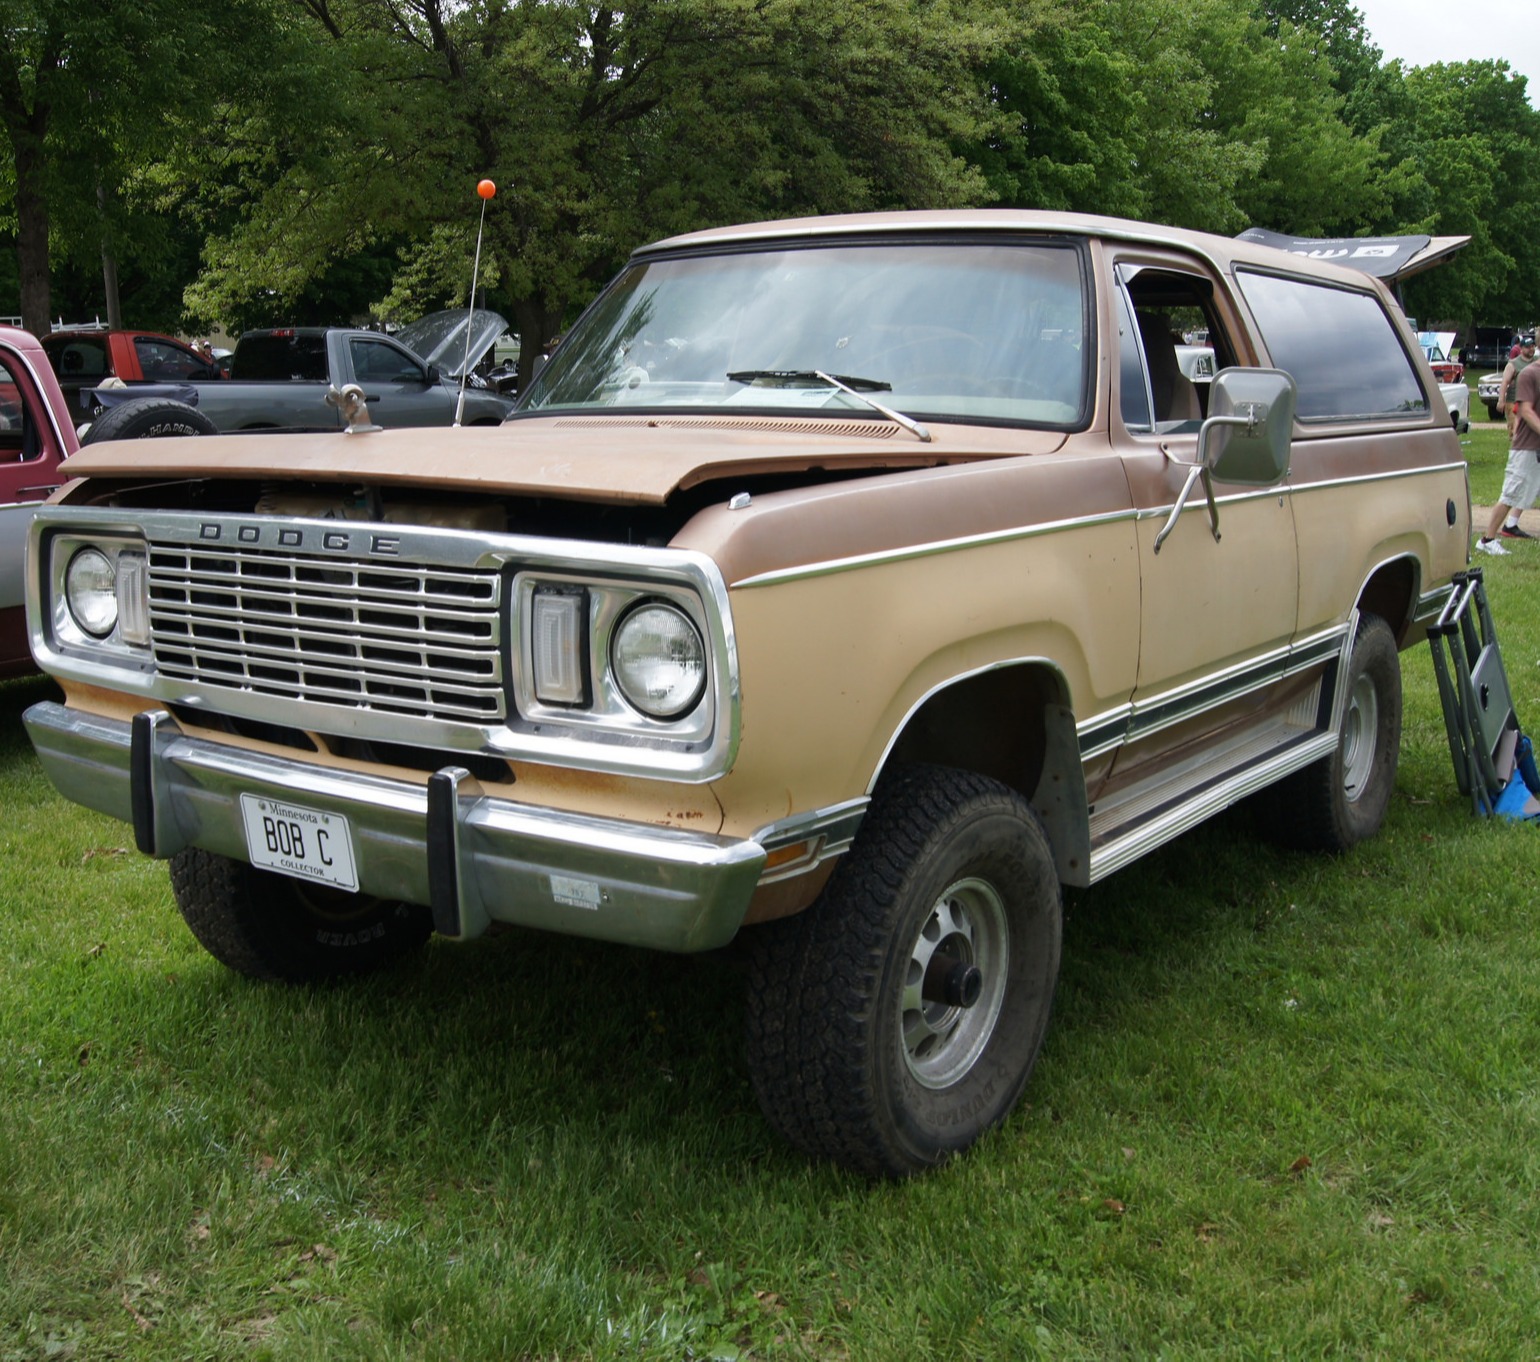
(625,460)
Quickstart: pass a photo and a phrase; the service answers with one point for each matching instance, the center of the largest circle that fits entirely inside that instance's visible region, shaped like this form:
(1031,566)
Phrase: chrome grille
(399,638)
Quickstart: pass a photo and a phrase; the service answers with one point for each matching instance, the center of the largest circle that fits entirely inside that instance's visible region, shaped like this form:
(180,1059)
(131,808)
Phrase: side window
(83,357)
(1135,394)
(380,363)
(1339,344)
(1170,343)
(165,362)
(18,430)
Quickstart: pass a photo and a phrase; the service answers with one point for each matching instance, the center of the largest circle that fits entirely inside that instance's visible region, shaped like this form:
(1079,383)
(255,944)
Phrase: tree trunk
(537,322)
(109,264)
(32,235)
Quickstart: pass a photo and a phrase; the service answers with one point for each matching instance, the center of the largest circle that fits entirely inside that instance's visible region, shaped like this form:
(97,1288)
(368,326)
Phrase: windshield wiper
(796,378)
(858,388)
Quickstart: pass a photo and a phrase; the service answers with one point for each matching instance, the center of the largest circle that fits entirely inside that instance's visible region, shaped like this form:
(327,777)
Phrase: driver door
(1216,617)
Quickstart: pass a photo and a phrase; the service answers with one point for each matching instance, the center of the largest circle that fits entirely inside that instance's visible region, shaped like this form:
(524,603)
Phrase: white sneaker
(1491,546)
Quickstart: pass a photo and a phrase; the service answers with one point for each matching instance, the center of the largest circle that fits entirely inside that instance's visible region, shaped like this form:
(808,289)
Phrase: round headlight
(91,588)
(659,660)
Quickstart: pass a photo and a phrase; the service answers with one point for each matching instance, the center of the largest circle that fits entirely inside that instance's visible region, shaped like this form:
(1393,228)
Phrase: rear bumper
(473,858)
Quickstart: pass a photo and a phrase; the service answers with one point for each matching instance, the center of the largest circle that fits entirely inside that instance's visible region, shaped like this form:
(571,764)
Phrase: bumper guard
(473,858)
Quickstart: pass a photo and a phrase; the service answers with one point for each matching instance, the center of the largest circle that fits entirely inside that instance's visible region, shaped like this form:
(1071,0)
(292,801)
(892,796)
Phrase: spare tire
(146,418)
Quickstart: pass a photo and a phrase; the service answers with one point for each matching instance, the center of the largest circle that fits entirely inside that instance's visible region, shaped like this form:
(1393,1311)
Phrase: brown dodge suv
(849,584)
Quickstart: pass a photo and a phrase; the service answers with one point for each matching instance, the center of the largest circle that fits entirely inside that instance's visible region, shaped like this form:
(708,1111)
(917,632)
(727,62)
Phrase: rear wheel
(1341,799)
(269,926)
(899,1018)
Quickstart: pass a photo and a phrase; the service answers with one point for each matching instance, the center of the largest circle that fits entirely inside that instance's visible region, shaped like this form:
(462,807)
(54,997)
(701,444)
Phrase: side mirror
(1246,438)
(1250,427)
(433,375)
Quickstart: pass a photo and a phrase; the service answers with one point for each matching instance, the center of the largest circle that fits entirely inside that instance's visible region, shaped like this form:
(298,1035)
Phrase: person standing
(1521,479)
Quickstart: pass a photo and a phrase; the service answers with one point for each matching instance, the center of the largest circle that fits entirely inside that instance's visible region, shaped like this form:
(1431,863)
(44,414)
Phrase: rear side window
(1340,345)
(79,357)
(281,357)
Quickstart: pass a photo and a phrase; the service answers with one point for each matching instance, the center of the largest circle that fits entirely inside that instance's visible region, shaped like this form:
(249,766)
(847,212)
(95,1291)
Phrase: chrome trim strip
(898,730)
(666,888)
(1104,732)
(1233,499)
(830,566)
(1176,820)
(649,751)
(829,831)
(1393,475)
(1220,688)
(1332,647)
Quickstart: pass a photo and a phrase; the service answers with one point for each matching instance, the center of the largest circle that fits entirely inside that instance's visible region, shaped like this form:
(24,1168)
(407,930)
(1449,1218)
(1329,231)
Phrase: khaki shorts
(1521,480)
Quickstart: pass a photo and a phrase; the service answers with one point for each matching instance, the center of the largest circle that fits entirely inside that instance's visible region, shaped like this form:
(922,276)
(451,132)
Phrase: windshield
(989,331)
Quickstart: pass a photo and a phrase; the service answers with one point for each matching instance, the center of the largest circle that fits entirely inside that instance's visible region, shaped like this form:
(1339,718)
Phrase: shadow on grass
(16,697)
(538,1043)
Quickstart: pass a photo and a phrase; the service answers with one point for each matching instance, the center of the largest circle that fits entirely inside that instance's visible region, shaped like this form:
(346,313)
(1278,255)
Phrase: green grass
(1289,1107)
(1486,450)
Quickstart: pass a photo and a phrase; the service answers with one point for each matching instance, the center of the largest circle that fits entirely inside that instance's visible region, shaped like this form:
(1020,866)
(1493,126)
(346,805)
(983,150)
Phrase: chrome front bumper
(473,858)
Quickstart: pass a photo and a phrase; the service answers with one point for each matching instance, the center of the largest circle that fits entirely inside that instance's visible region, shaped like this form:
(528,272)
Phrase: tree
(603,126)
(1190,113)
(88,94)
(1461,141)
(1334,29)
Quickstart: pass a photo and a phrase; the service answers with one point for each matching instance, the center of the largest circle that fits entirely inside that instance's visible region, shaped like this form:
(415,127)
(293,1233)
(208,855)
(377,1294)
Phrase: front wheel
(268,926)
(1341,799)
(899,1018)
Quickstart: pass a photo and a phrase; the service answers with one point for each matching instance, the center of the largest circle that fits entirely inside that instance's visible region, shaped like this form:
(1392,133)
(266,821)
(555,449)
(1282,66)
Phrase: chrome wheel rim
(943,1042)
(1359,730)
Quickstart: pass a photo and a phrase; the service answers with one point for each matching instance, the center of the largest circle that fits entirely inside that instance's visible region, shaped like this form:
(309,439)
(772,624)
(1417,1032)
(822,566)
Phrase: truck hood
(623,460)
(439,338)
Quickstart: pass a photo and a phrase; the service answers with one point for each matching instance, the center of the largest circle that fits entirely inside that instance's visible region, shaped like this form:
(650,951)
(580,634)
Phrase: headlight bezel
(608,711)
(127,558)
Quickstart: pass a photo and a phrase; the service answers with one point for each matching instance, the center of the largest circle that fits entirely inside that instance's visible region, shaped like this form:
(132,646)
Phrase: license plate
(308,844)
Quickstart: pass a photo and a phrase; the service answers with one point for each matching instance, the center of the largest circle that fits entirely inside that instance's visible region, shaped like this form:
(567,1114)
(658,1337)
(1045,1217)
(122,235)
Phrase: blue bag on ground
(1519,797)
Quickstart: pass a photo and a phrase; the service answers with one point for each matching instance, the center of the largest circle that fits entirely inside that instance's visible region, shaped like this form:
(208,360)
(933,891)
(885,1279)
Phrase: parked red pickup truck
(35,437)
(84,359)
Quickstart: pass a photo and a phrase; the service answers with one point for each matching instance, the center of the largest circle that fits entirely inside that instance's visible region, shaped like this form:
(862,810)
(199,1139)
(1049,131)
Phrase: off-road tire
(148,418)
(1341,799)
(268,926)
(843,1065)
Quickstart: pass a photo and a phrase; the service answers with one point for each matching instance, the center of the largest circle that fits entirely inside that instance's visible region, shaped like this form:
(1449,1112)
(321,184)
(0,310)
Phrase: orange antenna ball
(486,189)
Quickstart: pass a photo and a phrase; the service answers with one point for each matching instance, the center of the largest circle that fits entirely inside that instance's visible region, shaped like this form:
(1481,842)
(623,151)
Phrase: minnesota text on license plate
(309,844)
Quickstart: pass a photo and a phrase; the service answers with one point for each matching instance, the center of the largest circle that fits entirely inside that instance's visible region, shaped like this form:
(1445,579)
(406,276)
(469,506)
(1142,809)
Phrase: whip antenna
(486,189)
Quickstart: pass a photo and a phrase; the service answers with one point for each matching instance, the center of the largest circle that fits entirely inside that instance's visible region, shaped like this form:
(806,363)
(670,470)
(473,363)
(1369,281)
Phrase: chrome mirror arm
(1198,468)
(1194,472)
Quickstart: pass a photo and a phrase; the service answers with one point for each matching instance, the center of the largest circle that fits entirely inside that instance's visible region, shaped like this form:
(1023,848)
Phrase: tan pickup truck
(849,584)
